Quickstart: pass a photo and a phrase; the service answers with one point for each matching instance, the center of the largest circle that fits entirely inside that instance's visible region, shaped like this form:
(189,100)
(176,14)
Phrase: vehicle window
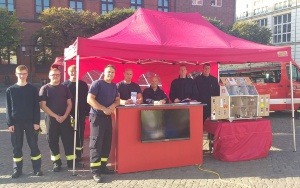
(295,73)
(263,72)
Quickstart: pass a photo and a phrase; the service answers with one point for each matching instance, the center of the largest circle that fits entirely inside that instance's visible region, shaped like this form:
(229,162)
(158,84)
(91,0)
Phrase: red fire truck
(269,78)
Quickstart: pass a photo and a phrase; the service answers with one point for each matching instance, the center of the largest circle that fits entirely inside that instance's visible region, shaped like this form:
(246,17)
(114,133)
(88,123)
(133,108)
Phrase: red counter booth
(129,154)
(240,140)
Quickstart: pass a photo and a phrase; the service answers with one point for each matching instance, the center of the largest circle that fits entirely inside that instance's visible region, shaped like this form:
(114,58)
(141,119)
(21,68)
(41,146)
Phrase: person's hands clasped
(60,119)
(109,110)
(129,101)
(163,101)
(176,100)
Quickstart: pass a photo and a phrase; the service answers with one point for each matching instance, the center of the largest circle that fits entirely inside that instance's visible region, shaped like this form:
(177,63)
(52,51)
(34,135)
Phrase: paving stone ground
(280,169)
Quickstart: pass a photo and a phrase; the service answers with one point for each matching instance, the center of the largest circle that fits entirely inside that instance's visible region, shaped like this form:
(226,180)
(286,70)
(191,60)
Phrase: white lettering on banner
(197,2)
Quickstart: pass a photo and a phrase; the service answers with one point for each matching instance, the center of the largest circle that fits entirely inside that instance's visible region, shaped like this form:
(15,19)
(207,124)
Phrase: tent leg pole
(292,105)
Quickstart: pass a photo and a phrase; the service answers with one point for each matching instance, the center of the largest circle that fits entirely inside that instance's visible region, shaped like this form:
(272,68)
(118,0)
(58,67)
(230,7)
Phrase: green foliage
(61,28)
(106,21)
(63,25)
(245,30)
(10,34)
(215,22)
(251,31)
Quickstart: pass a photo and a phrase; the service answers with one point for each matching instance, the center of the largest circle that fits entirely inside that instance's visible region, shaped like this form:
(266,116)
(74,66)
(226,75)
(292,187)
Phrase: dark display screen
(165,125)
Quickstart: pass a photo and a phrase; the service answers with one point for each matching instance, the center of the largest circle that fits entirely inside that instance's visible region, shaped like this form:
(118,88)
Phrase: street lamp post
(30,54)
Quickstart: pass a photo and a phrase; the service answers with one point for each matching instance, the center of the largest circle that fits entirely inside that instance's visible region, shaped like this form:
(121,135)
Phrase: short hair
(206,64)
(54,69)
(182,65)
(154,76)
(71,68)
(110,66)
(21,67)
(128,69)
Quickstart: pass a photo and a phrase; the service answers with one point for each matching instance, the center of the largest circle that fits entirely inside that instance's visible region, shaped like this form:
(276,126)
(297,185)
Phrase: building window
(216,3)
(282,29)
(41,5)
(163,5)
(197,2)
(9,4)
(76,5)
(106,6)
(136,4)
(262,22)
(8,57)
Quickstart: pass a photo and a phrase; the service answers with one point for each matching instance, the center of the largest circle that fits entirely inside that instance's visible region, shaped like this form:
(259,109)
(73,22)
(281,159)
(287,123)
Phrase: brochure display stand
(239,100)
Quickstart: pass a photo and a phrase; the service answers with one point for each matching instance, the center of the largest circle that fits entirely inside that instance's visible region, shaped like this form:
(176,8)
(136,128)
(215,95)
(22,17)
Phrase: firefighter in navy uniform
(23,114)
(127,86)
(208,86)
(103,97)
(183,88)
(83,108)
(55,101)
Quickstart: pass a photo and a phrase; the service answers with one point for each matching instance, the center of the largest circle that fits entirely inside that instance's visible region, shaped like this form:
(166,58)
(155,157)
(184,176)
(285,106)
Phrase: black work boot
(38,173)
(105,170)
(16,174)
(56,167)
(97,178)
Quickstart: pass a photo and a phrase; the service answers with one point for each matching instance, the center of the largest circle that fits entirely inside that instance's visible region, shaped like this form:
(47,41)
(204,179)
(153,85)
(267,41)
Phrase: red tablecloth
(240,140)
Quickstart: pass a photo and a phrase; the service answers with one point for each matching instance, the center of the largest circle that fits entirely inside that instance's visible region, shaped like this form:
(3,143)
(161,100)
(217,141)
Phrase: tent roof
(169,36)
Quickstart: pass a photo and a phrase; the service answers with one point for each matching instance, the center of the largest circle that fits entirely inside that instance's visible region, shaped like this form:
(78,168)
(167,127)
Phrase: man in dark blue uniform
(153,94)
(82,110)
(55,101)
(207,86)
(23,114)
(103,97)
(183,88)
(126,87)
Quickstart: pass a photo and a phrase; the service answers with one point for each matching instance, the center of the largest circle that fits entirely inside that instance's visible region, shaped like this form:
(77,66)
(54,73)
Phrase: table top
(160,106)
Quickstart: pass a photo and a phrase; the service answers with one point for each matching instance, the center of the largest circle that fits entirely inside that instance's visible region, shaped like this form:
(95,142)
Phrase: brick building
(27,11)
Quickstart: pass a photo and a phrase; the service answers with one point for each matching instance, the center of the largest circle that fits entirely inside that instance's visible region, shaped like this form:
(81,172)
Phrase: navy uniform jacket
(207,87)
(149,95)
(183,88)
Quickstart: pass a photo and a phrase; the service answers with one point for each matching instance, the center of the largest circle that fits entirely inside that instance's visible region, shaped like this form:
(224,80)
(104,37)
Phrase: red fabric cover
(150,34)
(240,140)
(167,73)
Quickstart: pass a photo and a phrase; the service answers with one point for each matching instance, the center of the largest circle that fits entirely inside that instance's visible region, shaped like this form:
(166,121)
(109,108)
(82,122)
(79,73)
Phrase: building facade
(282,17)
(27,11)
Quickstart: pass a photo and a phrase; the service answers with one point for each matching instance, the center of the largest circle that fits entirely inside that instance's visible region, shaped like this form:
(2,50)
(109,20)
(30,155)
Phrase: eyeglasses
(22,74)
(54,75)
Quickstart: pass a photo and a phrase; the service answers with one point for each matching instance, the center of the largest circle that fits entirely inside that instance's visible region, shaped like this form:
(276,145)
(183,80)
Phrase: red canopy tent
(150,34)
(156,41)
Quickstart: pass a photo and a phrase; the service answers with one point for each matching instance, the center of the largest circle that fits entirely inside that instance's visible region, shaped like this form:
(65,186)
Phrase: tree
(10,34)
(61,28)
(63,25)
(112,18)
(251,31)
(217,23)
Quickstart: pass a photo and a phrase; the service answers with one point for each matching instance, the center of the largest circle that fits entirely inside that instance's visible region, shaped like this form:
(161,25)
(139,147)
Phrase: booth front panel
(129,154)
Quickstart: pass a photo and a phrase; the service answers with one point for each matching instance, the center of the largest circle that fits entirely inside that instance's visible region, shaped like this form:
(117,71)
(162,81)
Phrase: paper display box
(239,100)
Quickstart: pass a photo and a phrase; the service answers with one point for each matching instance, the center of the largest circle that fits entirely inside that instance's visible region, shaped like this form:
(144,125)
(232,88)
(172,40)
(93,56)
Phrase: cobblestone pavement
(280,169)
